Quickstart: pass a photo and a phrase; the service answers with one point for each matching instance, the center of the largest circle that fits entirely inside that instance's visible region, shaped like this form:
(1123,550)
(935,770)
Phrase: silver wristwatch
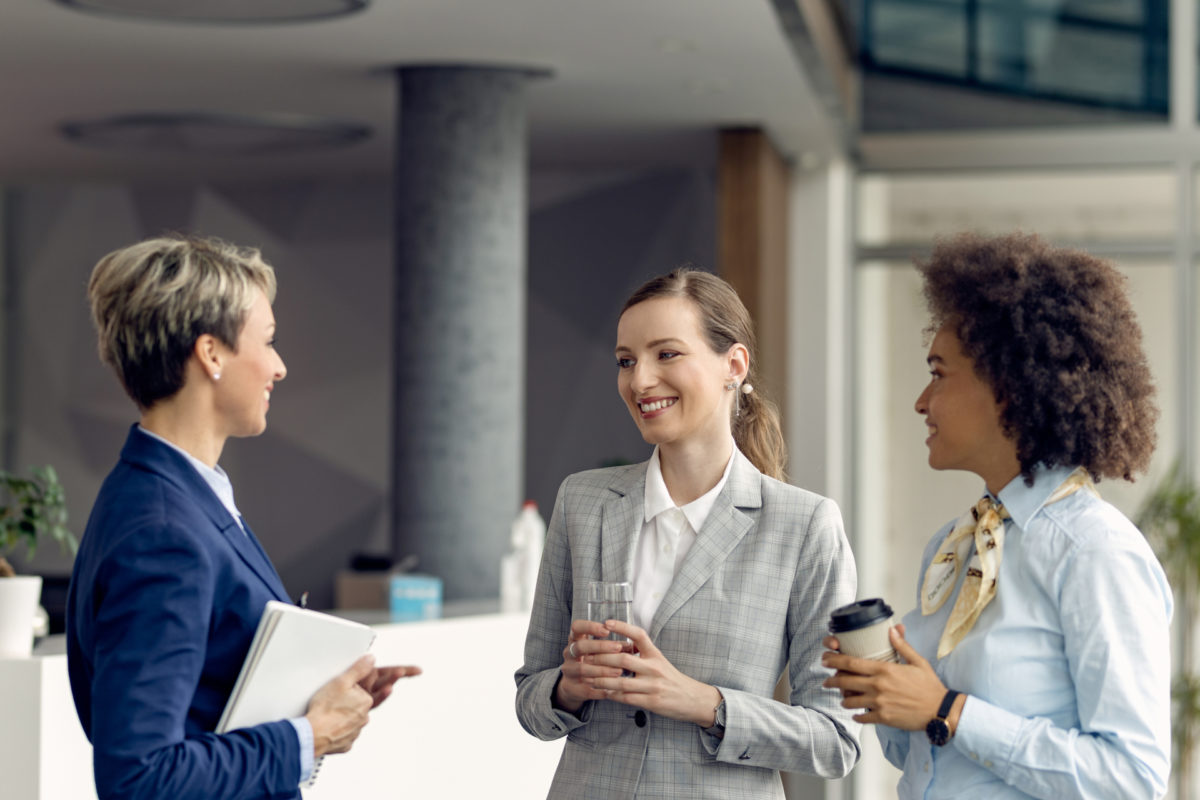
(717,729)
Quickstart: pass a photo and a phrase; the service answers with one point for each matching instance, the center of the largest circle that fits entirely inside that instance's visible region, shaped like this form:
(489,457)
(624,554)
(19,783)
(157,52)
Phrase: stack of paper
(294,653)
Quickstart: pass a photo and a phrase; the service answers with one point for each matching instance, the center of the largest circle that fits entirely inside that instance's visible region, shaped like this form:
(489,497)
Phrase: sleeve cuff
(562,721)
(304,733)
(710,743)
(986,733)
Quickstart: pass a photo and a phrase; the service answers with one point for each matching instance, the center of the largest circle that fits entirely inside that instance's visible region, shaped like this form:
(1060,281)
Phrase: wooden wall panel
(752,244)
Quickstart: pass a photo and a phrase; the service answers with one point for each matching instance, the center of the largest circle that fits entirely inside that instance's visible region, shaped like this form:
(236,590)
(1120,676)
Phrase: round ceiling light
(215,134)
(222,11)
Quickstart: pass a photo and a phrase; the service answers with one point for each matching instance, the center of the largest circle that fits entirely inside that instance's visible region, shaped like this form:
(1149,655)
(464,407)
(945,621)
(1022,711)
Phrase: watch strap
(947,703)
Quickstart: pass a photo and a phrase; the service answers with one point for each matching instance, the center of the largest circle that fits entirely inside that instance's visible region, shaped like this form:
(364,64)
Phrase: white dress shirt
(668,532)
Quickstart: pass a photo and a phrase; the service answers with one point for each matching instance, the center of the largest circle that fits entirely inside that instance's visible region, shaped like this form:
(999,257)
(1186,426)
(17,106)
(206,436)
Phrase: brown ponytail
(726,322)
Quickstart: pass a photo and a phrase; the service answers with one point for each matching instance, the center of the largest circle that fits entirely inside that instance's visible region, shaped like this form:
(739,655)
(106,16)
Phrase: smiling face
(963,417)
(670,379)
(243,394)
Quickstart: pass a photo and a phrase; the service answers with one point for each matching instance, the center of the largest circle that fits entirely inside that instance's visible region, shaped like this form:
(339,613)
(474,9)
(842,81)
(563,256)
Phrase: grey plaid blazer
(752,596)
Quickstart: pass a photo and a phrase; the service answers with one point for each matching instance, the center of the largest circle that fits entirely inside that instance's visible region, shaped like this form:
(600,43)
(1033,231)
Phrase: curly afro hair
(1052,332)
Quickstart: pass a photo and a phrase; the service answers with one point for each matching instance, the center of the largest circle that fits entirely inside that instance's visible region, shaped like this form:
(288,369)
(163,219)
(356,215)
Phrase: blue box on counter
(415,597)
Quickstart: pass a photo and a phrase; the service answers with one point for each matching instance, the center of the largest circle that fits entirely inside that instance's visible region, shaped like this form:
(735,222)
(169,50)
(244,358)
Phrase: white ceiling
(634,81)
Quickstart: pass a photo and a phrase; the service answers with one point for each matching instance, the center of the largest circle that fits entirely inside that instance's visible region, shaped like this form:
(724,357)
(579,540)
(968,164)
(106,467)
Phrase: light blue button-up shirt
(1067,670)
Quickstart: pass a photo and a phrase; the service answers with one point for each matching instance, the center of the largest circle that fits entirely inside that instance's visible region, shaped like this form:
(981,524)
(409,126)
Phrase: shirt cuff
(986,734)
(304,733)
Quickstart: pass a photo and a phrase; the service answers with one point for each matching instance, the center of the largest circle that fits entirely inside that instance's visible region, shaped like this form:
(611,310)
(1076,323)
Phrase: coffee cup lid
(859,615)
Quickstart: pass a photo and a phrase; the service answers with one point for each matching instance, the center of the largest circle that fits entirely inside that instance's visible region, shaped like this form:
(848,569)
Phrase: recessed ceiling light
(222,11)
(214,134)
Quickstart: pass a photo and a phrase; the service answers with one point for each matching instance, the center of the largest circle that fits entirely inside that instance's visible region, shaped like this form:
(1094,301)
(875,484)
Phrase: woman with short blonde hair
(170,582)
(150,301)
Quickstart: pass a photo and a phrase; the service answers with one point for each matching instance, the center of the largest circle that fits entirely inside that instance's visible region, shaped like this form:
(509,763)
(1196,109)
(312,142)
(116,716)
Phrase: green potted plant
(30,508)
(1170,519)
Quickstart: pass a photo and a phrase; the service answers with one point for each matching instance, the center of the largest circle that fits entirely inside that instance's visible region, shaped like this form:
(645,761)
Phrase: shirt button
(974,756)
(666,548)
(988,764)
(658,595)
(927,766)
(639,718)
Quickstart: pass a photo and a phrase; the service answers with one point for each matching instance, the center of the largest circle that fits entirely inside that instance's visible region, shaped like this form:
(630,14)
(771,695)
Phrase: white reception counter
(450,732)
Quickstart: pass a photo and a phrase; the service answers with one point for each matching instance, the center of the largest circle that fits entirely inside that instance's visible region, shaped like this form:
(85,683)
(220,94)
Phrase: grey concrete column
(460,321)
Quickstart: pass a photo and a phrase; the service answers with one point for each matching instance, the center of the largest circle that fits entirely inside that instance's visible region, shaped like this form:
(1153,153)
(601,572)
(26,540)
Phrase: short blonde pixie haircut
(152,300)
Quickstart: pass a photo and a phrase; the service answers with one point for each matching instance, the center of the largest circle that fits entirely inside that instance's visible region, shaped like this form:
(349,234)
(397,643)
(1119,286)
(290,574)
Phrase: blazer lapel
(248,547)
(722,532)
(149,453)
(620,519)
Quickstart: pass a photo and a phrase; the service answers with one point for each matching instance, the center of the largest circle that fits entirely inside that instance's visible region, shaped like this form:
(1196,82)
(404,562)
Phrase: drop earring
(745,388)
(732,386)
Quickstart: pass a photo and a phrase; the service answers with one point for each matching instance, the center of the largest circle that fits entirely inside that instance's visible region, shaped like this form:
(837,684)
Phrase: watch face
(938,732)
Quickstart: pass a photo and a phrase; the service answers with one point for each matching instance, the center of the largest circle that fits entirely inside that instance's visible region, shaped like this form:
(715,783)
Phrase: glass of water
(610,600)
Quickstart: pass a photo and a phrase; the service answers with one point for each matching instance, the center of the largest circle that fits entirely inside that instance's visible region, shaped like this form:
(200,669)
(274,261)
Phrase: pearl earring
(216,376)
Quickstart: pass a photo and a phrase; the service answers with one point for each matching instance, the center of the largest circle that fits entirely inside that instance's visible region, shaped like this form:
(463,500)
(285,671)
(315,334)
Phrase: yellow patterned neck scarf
(983,526)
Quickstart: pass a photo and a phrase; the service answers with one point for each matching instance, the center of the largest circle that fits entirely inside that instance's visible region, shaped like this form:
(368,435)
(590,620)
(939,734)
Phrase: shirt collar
(658,499)
(214,476)
(1022,501)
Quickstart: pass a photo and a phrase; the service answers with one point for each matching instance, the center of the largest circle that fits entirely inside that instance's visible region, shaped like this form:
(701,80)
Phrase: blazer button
(639,718)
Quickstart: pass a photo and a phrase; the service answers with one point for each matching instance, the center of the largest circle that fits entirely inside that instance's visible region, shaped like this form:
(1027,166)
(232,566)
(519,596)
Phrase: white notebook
(295,652)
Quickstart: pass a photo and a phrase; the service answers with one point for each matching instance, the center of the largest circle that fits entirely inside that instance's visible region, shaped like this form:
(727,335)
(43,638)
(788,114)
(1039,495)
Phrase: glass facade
(1011,63)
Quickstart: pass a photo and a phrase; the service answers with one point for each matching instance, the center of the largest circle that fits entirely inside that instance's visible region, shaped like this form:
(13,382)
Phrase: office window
(977,64)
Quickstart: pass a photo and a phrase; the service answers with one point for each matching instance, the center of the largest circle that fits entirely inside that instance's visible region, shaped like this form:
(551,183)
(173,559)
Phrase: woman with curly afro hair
(1036,663)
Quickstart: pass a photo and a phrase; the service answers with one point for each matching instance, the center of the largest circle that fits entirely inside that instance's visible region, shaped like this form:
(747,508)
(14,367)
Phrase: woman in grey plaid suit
(734,575)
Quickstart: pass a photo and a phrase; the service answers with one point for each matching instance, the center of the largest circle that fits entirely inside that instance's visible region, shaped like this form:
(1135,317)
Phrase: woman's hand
(904,696)
(379,683)
(579,669)
(655,685)
(338,711)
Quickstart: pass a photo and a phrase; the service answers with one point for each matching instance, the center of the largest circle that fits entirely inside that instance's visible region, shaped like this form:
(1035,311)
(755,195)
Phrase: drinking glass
(610,600)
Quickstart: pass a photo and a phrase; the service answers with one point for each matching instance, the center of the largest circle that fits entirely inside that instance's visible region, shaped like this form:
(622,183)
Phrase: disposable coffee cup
(862,630)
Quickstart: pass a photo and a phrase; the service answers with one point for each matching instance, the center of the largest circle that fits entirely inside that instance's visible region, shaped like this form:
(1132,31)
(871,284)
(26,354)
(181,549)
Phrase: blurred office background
(806,149)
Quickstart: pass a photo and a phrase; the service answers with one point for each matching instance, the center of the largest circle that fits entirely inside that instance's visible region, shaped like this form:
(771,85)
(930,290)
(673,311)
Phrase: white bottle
(519,568)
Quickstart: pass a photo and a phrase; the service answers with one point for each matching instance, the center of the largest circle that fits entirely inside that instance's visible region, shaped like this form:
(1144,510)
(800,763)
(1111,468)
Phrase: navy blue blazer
(164,599)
